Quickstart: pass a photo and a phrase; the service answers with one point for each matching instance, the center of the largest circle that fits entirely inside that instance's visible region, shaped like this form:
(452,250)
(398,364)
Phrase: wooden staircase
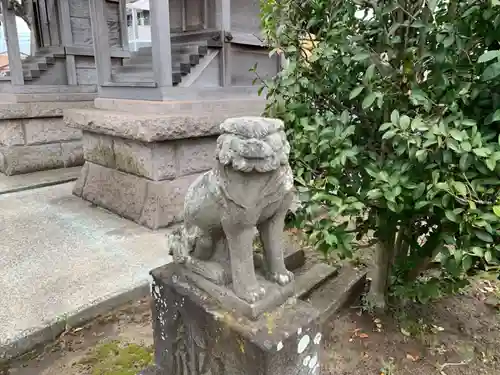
(34,66)
(139,67)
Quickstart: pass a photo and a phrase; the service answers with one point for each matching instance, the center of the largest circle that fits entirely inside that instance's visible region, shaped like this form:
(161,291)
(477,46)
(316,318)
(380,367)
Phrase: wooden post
(67,40)
(52,14)
(100,36)
(135,33)
(224,22)
(123,25)
(10,31)
(160,40)
(44,23)
(205,14)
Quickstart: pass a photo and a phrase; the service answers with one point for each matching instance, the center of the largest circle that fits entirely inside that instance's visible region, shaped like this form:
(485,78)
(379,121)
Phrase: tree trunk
(377,296)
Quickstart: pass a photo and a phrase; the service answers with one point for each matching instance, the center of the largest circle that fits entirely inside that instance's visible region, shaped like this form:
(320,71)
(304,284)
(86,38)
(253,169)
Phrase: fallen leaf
(405,332)
(412,358)
(363,336)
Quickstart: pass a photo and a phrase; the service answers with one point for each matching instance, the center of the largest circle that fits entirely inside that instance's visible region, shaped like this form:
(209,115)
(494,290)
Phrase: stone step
(183,68)
(35,66)
(146,76)
(197,48)
(28,74)
(193,59)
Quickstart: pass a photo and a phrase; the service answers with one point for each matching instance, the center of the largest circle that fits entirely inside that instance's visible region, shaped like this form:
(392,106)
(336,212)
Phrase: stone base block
(195,334)
(32,158)
(192,332)
(154,204)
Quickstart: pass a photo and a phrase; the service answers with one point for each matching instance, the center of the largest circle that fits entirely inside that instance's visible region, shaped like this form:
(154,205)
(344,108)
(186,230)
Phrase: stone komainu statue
(250,187)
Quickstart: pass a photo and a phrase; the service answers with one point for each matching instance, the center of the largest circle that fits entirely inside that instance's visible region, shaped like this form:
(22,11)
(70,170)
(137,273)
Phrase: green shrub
(394,123)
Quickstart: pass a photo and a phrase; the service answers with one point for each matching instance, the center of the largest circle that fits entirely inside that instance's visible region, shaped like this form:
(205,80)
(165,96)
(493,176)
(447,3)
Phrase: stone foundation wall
(142,181)
(139,164)
(34,137)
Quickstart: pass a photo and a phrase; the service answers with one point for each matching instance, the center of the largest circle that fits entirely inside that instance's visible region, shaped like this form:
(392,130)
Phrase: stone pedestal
(34,137)
(140,164)
(197,335)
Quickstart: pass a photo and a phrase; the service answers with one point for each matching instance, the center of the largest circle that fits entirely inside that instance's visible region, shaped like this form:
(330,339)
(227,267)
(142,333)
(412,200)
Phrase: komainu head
(253,144)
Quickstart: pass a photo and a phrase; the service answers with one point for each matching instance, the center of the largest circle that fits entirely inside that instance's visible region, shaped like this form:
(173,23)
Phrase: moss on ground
(118,358)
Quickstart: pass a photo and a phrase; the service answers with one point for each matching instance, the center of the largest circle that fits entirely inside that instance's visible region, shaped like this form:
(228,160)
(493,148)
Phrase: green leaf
(404,122)
(421,204)
(488,55)
(448,41)
(368,101)
(496,116)
(385,126)
(419,191)
(468,122)
(465,162)
(491,72)
(421,155)
(496,210)
(488,256)
(477,251)
(374,194)
(355,92)
(466,262)
(483,236)
(390,134)
(460,188)
(418,124)
(466,146)
(361,56)
(451,216)
(456,134)
(482,152)
(370,72)
(491,163)
(395,117)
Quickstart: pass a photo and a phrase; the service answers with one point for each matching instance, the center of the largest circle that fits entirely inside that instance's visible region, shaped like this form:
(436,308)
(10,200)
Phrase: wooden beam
(101,41)
(160,40)
(12,39)
(67,39)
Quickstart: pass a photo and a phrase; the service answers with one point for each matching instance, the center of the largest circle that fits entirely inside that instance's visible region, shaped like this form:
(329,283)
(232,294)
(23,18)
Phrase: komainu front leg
(271,236)
(240,243)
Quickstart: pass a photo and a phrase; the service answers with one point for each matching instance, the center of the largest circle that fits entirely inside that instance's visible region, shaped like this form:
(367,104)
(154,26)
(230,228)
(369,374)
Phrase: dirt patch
(101,347)
(458,336)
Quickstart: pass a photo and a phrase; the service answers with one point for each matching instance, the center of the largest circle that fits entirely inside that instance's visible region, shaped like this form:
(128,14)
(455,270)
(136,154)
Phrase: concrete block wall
(34,137)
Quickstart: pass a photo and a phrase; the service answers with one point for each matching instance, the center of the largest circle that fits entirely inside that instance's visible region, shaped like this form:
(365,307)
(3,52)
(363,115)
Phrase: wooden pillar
(52,14)
(224,22)
(135,32)
(44,23)
(160,40)
(101,41)
(67,40)
(12,39)
(123,25)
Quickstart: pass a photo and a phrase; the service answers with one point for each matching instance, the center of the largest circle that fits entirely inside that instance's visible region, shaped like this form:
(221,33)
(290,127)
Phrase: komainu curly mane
(253,144)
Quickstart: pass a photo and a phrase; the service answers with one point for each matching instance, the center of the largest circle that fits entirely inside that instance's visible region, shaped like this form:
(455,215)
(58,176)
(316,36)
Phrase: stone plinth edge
(39,109)
(149,127)
(251,105)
